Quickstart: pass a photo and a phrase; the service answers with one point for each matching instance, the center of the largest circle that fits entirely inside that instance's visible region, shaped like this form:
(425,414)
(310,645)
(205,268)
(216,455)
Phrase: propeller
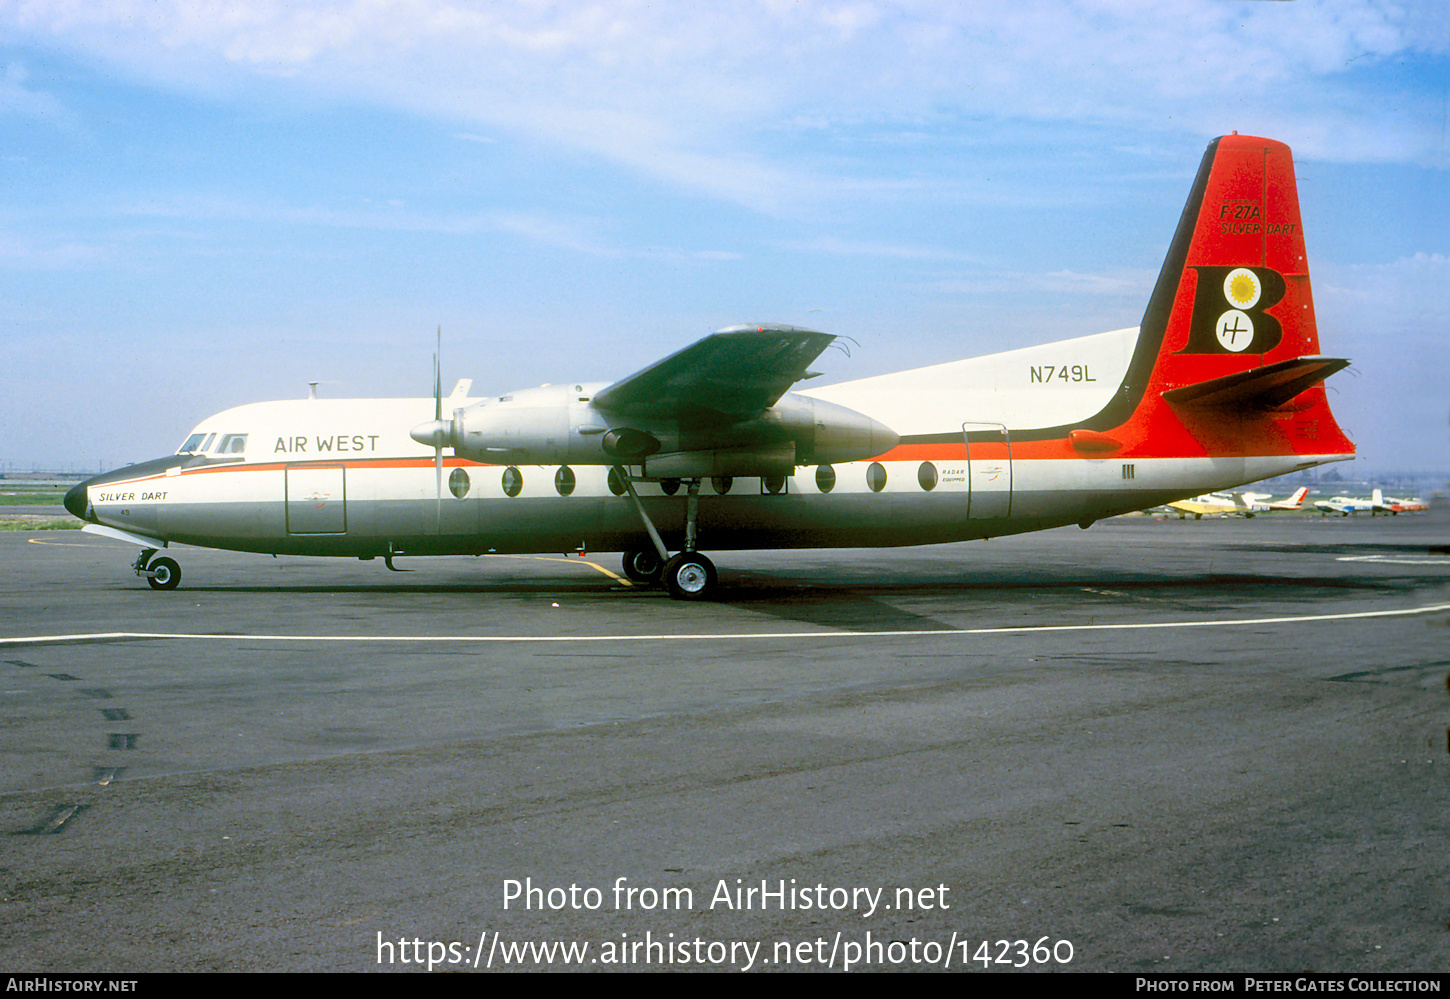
(437,432)
(438,420)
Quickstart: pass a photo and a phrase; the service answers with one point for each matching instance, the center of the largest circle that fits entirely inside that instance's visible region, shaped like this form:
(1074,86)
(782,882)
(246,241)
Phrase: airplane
(1376,504)
(1394,507)
(1237,504)
(1348,505)
(1261,502)
(1214,505)
(1220,384)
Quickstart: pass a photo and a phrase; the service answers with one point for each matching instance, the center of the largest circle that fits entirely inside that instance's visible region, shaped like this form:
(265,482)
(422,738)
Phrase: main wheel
(690,576)
(165,574)
(643,565)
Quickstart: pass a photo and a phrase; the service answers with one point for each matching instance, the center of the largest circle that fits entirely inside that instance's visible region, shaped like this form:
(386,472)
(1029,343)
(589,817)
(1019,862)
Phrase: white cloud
(23,253)
(1409,294)
(836,246)
(18,99)
(688,94)
(1131,284)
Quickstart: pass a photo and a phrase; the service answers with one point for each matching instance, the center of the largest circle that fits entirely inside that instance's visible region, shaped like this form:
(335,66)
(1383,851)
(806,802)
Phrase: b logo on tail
(1230,311)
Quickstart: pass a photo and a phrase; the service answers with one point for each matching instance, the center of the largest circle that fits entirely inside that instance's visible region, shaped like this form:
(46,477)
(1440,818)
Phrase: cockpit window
(209,439)
(193,443)
(232,444)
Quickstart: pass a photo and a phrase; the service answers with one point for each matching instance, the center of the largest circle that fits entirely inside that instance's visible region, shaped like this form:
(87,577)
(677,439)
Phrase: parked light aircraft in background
(1376,504)
(1261,503)
(1347,505)
(1220,384)
(1392,506)
(1236,504)
(1213,505)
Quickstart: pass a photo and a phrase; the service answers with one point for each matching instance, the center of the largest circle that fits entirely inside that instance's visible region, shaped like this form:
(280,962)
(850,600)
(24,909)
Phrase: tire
(690,576)
(643,565)
(166,574)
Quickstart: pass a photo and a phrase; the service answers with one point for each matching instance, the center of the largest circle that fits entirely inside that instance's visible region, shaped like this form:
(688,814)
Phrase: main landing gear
(162,574)
(644,565)
(688,575)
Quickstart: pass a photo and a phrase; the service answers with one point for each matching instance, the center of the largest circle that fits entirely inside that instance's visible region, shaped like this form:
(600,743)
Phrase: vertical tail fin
(1235,288)
(1228,358)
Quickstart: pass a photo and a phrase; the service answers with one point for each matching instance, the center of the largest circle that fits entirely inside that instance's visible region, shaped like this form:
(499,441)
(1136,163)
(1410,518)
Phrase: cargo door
(316,499)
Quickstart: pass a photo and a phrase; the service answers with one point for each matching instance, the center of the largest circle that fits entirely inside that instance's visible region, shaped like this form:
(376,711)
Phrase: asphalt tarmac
(1155,745)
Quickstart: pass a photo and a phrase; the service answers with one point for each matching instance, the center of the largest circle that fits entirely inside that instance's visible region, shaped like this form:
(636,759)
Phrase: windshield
(232,444)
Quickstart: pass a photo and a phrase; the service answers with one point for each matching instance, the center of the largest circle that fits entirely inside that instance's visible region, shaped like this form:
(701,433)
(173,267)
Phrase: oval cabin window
(876,476)
(564,480)
(513,481)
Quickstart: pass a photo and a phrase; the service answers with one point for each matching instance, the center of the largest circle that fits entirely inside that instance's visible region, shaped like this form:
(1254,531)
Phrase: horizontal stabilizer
(1258,388)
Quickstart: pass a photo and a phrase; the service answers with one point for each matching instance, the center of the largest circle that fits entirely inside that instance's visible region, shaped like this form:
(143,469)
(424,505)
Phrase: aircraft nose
(76,500)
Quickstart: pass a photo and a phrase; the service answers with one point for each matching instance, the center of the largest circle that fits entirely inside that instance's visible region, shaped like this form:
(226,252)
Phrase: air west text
(299,444)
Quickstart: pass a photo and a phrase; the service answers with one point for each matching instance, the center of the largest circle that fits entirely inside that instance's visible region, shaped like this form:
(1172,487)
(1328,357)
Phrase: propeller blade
(438,438)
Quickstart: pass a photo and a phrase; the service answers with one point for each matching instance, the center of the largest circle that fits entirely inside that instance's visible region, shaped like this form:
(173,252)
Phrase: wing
(731,375)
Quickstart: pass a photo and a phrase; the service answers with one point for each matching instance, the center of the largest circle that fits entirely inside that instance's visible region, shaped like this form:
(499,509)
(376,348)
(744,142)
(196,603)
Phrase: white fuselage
(343,477)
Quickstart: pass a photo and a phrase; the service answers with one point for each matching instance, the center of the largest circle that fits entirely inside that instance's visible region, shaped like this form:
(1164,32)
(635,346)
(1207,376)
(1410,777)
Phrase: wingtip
(770,328)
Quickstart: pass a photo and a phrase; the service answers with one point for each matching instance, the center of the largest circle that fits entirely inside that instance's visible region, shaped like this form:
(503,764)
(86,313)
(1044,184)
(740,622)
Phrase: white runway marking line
(731,636)
(1395,560)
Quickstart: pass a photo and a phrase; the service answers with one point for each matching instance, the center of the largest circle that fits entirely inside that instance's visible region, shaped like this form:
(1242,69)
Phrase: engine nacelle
(825,433)
(558,425)
(767,459)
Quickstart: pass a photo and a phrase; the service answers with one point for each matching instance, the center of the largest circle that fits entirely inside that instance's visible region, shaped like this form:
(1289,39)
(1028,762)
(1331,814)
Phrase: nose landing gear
(162,574)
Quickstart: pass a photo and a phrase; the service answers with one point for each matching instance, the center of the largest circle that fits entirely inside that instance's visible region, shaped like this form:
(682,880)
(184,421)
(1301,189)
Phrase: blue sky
(208,204)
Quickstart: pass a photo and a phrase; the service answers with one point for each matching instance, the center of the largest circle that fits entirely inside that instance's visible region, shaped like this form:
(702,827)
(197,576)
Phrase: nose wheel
(162,574)
(165,574)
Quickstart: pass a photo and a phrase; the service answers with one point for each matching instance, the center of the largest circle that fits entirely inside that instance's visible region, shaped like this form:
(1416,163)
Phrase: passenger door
(989,470)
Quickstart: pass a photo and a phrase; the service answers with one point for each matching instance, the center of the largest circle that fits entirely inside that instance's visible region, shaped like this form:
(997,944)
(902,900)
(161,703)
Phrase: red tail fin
(1230,326)
(1242,288)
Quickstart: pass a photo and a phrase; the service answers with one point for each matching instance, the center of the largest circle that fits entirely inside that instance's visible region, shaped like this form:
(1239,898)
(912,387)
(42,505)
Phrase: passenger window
(564,480)
(876,476)
(513,481)
(458,483)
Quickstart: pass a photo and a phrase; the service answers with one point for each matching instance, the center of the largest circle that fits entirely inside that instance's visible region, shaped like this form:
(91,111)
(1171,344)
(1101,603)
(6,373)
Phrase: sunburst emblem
(1242,288)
